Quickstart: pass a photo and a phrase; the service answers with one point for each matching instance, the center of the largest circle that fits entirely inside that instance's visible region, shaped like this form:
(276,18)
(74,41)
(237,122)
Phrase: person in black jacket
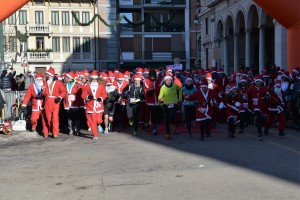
(109,105)
(134,93)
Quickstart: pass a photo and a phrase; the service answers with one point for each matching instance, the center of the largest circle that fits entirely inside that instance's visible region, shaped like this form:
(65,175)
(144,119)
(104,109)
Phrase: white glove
(237,104)
(202,110)
(221,105)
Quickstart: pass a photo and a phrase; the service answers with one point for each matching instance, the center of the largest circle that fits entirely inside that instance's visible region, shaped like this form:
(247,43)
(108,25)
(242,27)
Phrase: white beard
(279,77)
(50,80)
(278,92)
(110,88)
(39,84)
(94,86)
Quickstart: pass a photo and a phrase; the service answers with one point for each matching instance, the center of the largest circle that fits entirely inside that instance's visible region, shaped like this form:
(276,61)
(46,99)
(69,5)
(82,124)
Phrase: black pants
(73,120)
(259,122)
(133,113)
(82,118)
(120,115)
(154,113)
(204,127)
(170,116)
(189,115)
(231,126)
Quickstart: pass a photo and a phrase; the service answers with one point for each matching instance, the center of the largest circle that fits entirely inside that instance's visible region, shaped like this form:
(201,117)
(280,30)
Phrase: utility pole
(2,62)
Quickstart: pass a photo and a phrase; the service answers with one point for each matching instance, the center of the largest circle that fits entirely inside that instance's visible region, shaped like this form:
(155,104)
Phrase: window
(39,17)
(54,18)
(76,44)
(206,25)
(66,44)
(65,18)
(12,19)
(73,19)
(23,17)
(40,43)
(13,44)
(55,44)
(85,17)
(86,45)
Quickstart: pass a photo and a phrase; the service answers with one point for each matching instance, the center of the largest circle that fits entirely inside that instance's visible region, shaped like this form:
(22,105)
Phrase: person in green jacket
(170,95)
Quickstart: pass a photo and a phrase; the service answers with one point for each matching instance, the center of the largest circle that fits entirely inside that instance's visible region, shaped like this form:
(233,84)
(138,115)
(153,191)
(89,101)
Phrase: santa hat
(277,83)
(208,76)
(221,71)
(80,74)
(286,74)
(266,75)
(38,76)
(127,74)
(94,74)
(232,85)
(116,70)
(168,76)
(293,76)
(281,71)
(296,70)
(204,83)
(111,74)
(137,77)
(146,71)
(71,75)
(188,79)
(213,70)
(51,71)
(103,75)
(59,77)
(243,80)
(139,70)
(120,76)
(168,69)
(196,73)
(108,82)
(258,78)
(85,71)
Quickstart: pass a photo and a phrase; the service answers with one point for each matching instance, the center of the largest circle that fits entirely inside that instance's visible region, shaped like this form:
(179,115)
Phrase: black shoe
(260,138)
(281,133)
(266,132)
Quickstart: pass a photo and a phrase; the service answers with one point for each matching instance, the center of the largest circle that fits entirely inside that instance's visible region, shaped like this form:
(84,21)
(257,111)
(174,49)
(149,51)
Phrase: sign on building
(24,62)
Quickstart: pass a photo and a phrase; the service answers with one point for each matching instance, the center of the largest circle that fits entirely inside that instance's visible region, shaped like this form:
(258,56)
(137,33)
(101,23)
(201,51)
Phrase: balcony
(164,2)
(39,29)
(39,57)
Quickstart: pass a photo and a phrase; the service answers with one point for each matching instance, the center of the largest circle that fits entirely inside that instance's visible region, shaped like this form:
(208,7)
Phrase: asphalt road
(120,166)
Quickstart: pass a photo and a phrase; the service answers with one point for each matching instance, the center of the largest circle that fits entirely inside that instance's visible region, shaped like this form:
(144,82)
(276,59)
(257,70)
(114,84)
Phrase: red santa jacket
(257,99)
(222,82)
(233,105)
(35,97)
(94,106)
(204,108)
(120,88)
(276,102)
(52,91)
(154,86)
(244,101)
(73,98)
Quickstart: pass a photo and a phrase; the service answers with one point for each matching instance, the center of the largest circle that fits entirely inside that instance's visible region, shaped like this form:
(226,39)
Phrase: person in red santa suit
(258,96)
(204,108)
(233,105)
(120,108)
(276,109)
(151,90)
(82,115)
(94,94)
(34,93)
(72,103)
(245,113)
(213,86)
(54,92)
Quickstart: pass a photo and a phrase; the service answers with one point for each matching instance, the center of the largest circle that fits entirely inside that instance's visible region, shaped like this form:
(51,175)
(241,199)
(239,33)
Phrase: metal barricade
(13,101)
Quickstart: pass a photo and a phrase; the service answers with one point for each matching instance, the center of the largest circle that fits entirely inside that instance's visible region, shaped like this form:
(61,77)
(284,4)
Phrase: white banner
(175,67)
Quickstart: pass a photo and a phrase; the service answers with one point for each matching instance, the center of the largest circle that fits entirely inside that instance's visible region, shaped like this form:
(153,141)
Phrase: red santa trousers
(50,120)
(94,119)
(35,115)
(272,116)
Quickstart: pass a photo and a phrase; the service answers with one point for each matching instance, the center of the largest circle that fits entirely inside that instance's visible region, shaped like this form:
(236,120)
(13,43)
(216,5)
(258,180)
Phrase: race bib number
(132,100)
(170,105)
(202,110)
(71,97)
(255,101)
(98,105)
(245,105)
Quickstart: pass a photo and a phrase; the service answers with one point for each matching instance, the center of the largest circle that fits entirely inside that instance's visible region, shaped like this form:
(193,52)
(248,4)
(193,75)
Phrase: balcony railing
(164,2)
(39,56)
(39,28)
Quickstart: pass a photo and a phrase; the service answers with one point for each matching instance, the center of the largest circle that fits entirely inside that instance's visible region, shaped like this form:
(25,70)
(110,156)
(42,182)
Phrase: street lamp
(197,22)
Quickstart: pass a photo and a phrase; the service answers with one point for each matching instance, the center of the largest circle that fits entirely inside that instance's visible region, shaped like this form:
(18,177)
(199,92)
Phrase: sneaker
(260,138)
(135,132)
(106,131)
(131,122)
(71,133)
(100,129)
(95,138)
(89,129)
(109,127)
(55,136)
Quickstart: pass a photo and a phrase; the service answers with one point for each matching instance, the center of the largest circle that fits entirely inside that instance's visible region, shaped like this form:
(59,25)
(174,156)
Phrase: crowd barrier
(12,101)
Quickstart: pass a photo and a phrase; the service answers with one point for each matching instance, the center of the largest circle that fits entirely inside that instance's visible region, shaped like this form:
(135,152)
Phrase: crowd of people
(112,100)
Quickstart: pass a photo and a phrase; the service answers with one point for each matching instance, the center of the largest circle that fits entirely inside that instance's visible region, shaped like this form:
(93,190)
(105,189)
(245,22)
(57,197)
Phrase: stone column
(236,51)
(262,47)
(225,54)
(280,45)
(248,48)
